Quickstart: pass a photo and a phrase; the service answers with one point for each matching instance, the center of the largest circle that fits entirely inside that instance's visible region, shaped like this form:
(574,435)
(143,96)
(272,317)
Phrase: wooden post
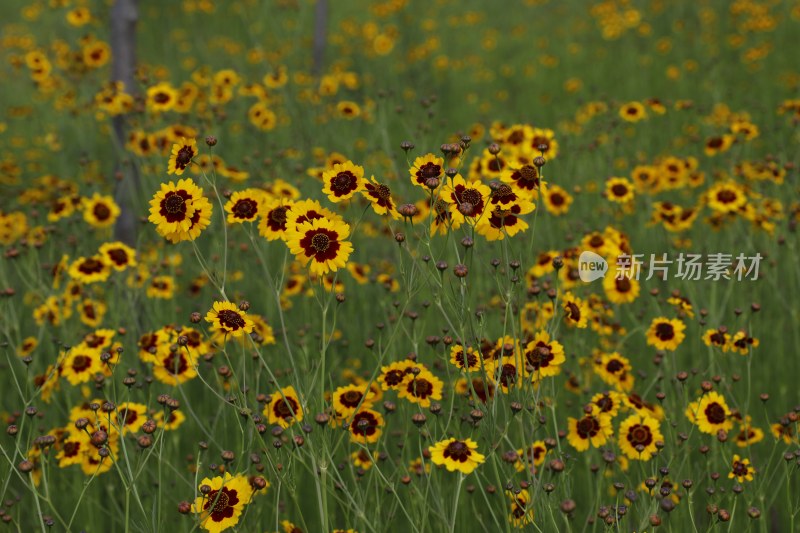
(320,35)
(124,15)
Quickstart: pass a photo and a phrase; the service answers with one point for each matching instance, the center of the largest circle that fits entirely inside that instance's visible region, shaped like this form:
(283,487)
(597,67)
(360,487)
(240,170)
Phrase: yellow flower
(343,181)
(222,507)
(638,435)
(710,413)
(593,428)
(741,469)
(181,157)
(665,334)
(100,211)
(455,454)
(227,317)
(322,243)
(284,408)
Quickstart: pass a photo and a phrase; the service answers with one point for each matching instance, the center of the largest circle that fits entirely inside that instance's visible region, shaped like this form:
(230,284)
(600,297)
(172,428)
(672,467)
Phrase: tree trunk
(124,15)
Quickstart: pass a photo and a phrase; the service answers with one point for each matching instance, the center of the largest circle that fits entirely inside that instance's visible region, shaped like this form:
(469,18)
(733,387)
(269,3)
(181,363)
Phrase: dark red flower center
(458,451)
(231,319)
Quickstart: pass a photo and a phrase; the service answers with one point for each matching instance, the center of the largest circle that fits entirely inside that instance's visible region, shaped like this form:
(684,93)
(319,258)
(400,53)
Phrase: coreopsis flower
(130,417)
(665,334)
(426,167)
(392,376)
(284,408)
(380,198)
(576,311)
(632,112)
(420,388)
(347,399)
(643,407)
(228,318)
(608,402)
(343,181)
(466,358)
(119,255)
(222,507)
(543,357)
(175,367)
(748,434)
(321,242)
(161,97)
(718,338)
(181,157)
(244,206)
(180,212)
(619,190)
(274,220)
(638,435)
(710,413)
(86,270)
(726,197)
(621,289)
(467,200)
(80,364)
(531,457)
(741,469)
(100,211)
(718,144)
(593,428)
(556,200)
(365,426)
(456,454)
(505,221)
(526,180)
(743,343)
(521,512)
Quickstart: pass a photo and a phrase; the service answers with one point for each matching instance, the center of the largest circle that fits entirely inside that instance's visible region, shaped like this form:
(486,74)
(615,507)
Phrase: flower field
(365,266)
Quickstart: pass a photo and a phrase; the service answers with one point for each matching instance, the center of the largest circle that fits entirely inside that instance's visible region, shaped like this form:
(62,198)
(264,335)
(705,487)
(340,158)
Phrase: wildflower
(531,457)
(365,426)
(638,435)
(118,255)
(244,206)
(521,513)
(556,200)
(226,317)
(351,397)
(726,197)
(421,388)
(284,408)
(467,359)
(619,190)
(543,356)
(273,223)
(221,508)
(425,168)
(466,200)
(343,181)
(665,334)
(741,469)
(100,211)
(392,376)
(181,157)
(380,198)
(86,270)
(632,112)
(710,413)
(505,221)
(322,243)
(576,312)
(593,428)
(455,454)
